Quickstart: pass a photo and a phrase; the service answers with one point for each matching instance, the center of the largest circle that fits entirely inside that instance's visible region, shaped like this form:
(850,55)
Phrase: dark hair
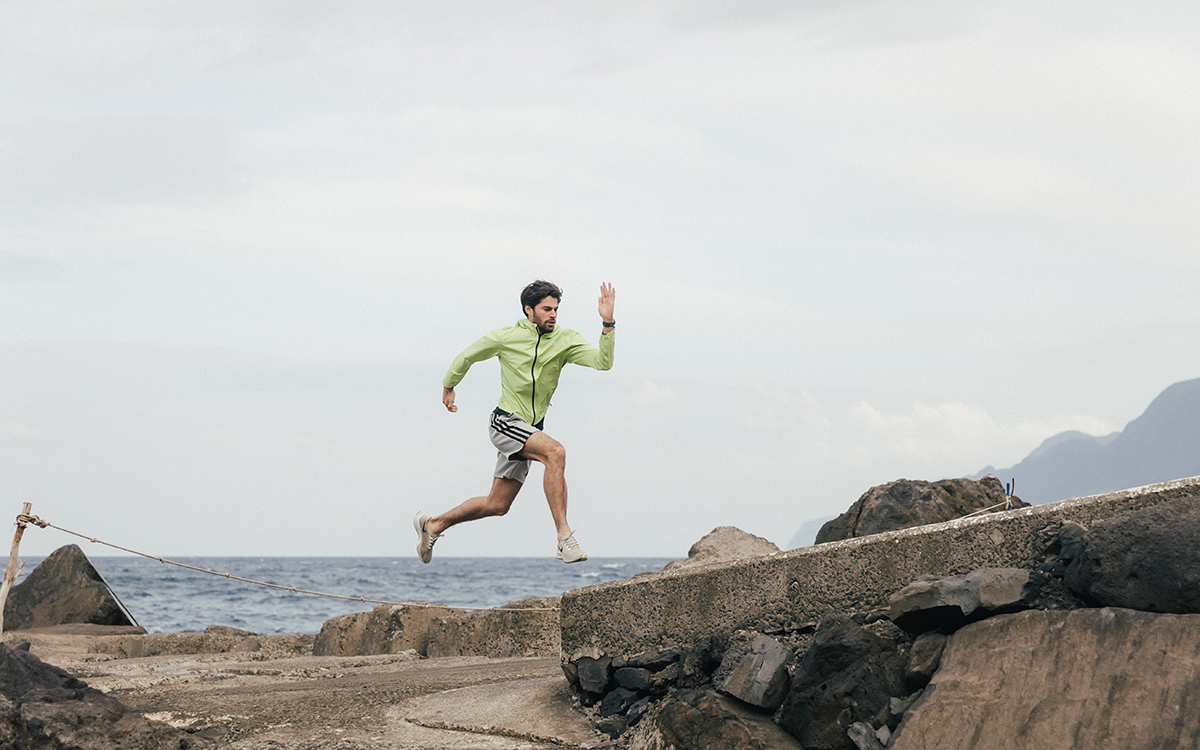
(538,291)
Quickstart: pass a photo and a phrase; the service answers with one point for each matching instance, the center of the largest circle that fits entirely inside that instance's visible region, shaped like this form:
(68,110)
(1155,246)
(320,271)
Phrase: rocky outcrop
(721,544)
(387,629)
(64,588)
(1089,678)
(41,706)
(905,503)
(218,642)
(704,720)
(947,603)
(525,628)
(848,675)
(1147,560)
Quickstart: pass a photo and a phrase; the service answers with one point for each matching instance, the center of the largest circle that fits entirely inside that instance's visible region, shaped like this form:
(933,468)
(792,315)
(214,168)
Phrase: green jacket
(530,363)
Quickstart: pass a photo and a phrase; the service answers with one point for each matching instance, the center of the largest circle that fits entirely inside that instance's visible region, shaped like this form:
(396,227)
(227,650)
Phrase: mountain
(1160,445)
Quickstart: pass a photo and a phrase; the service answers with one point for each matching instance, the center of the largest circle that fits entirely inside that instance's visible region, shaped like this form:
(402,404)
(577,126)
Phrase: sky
(241,242)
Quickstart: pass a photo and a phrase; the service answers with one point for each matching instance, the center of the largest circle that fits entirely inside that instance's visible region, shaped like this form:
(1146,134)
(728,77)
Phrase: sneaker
(425,537)
(569,550)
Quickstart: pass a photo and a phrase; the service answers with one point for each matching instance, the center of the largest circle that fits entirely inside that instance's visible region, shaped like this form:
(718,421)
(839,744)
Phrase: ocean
(167,598)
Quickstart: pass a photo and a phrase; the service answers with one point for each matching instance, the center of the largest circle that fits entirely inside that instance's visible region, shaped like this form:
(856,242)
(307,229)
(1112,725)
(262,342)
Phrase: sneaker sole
(417,523)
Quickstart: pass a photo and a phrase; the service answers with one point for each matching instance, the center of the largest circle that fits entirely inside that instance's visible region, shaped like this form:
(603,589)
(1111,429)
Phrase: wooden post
(10,574)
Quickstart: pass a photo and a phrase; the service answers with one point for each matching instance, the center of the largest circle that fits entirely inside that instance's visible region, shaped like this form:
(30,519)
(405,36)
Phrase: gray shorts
(509,434)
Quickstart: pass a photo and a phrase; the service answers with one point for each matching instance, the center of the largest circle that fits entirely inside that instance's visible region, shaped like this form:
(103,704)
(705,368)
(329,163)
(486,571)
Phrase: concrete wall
(785,590)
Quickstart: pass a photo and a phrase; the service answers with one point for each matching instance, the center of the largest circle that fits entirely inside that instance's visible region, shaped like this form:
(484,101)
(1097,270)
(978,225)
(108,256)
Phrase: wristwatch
(609,325)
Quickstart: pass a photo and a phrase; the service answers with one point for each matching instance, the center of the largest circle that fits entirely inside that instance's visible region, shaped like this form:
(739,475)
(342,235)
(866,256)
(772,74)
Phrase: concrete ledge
(526,628)
(784,590)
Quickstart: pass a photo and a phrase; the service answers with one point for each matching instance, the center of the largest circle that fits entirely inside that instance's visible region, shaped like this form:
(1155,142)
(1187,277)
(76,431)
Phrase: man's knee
(556,454)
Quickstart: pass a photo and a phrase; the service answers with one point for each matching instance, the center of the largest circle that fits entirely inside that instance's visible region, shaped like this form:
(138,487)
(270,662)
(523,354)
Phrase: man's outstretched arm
(485,348)
(608,299)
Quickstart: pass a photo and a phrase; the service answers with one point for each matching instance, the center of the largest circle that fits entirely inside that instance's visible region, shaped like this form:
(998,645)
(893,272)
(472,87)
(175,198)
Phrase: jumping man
(532,354)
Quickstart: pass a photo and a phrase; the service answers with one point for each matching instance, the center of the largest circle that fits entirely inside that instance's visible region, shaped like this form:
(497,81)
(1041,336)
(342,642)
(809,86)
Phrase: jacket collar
(524,323)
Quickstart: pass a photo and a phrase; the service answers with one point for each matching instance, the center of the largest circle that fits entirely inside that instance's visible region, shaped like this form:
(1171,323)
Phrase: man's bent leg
(495,503)
(551,454)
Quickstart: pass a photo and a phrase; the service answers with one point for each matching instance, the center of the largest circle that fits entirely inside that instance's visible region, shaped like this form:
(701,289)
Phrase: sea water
(166,598)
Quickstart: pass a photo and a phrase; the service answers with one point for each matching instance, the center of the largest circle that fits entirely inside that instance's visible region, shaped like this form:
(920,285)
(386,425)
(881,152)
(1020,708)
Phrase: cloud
(116,161)
(651,394)
(19,267)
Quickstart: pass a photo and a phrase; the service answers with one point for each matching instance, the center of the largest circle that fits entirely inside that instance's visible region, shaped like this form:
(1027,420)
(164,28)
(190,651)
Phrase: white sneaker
(425,537)
(569,550)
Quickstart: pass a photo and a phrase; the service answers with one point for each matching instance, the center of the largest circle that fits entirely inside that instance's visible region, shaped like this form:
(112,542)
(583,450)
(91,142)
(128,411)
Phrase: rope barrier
(985,510)
(24,518)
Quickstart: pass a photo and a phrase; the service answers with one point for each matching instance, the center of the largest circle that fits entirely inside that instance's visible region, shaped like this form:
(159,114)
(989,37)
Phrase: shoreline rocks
(64,588)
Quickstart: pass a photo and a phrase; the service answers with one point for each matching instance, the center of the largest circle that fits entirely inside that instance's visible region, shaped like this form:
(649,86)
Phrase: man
(532,354)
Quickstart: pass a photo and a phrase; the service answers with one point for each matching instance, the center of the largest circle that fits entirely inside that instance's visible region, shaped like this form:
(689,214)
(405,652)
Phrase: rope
(985,510)
(23,519)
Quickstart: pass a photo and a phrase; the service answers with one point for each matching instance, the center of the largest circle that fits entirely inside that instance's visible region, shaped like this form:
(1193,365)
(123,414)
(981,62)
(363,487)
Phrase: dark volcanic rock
(1147,559)
(947,603)
(594,674)
(65,588)
(721,544)
(849,674)
(704,720)
(41,706)
(760,677)
(905,503)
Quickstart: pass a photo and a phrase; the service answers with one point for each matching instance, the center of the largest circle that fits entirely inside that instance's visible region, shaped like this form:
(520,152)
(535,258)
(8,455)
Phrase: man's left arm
(583,353)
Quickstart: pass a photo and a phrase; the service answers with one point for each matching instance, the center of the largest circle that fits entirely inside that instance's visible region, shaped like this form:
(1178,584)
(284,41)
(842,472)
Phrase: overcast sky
(240,243)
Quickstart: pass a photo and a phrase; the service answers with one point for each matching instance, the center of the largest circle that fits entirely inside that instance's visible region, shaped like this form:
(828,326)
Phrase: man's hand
(448,398)
(608,296)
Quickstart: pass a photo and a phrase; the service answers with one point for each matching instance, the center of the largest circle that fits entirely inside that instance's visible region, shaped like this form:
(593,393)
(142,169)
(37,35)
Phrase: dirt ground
(245,702)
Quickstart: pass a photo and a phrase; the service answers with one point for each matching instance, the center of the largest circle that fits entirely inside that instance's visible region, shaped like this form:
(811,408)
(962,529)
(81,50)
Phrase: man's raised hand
(608,296)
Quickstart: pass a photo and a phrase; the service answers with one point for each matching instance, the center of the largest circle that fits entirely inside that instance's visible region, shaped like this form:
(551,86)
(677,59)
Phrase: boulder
(526,628)
(1076,680)
(387,629)
(705,720)
(760,677)
(924,658)
(1147,559)
(946,603)
(849,674)
(42,706)
(721,544)
(65,588)
(906,503)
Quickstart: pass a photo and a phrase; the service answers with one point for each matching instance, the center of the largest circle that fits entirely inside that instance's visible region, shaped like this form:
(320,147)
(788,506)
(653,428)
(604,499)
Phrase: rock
(633,678)
(1070,538)
(175,644)
(760,677)
(387,629)
(529,627)
(721,544)
(64,588)
(656,660)
(636,711)
(226,630)
(41,706)
(863,736)
(618,701)
(594,674)
(705,720)
(924,658)
(613,726)
(947,603)
(848,675)
(1147,559)
(906,503)
(1088,678)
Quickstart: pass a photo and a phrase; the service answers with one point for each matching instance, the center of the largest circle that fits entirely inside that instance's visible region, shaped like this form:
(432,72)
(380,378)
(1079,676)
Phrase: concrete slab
(784,591)
(537,710)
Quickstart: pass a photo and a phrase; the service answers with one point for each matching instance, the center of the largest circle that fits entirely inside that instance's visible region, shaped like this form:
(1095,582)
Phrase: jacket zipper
(533,380)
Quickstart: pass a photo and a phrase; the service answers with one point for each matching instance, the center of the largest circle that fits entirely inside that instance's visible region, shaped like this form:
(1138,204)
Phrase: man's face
(544,314)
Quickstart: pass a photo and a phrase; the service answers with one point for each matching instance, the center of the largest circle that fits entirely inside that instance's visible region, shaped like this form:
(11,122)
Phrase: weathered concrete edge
(783,590)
